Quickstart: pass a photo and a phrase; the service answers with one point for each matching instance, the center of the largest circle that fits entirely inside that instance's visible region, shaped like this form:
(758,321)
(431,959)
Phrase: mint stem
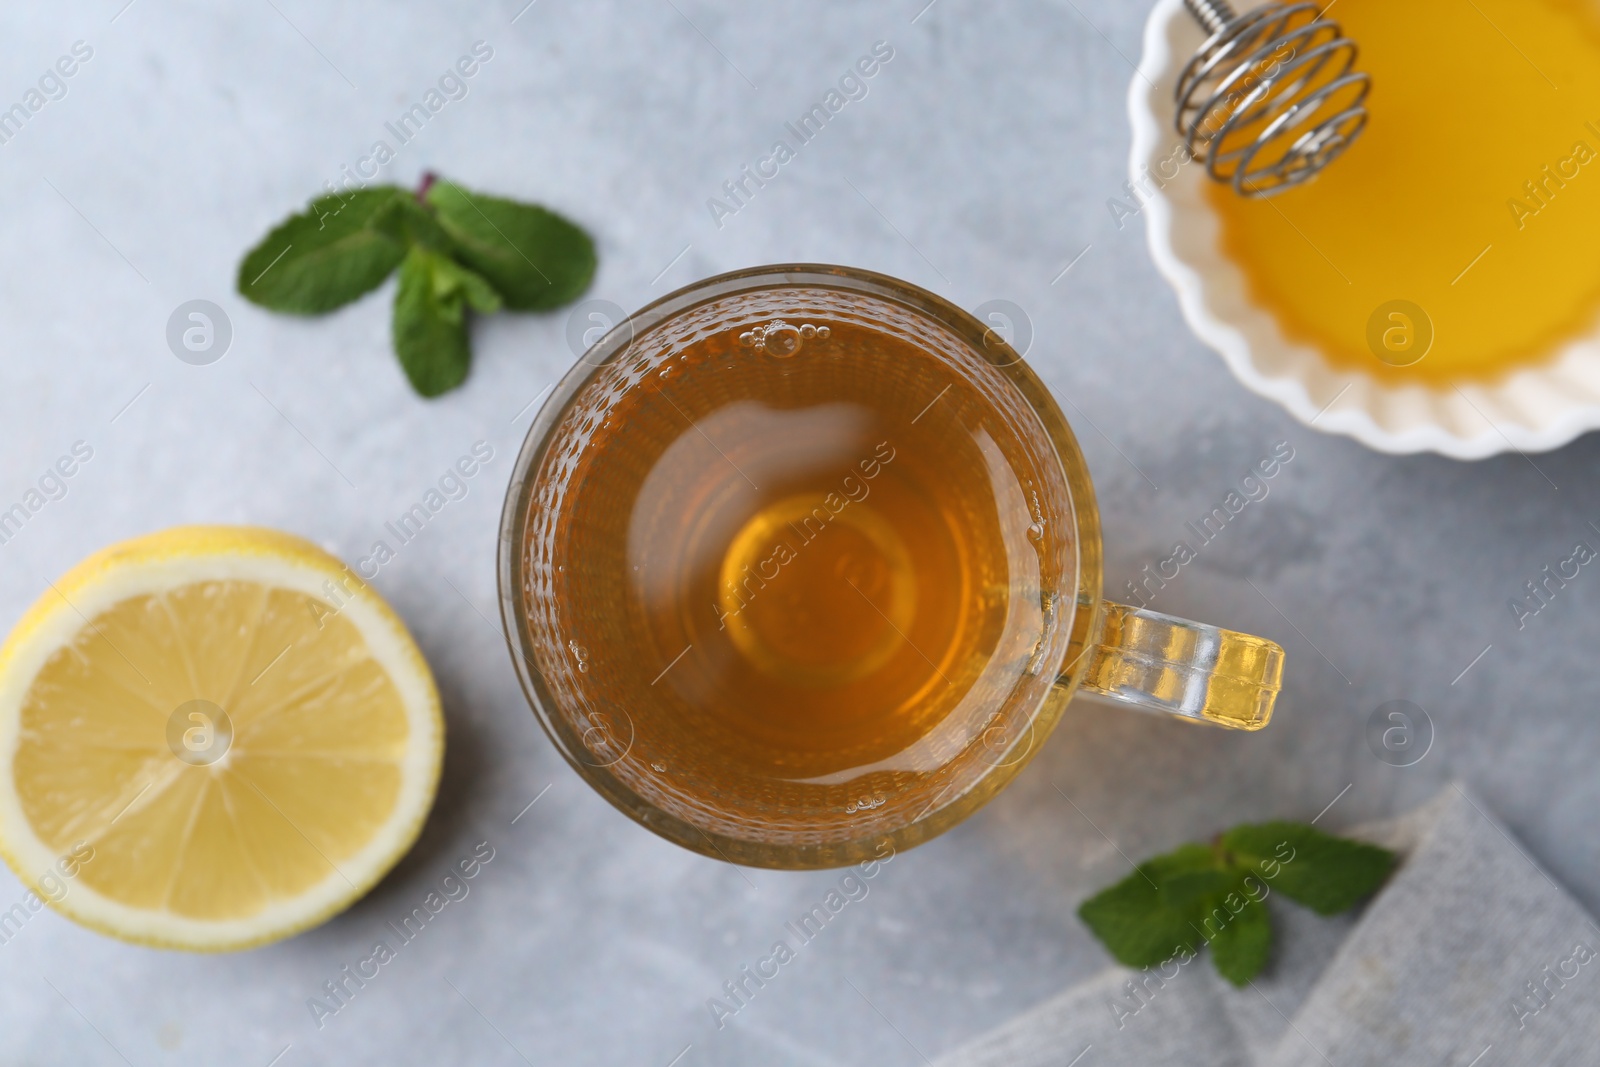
(428,178)
(1224,857)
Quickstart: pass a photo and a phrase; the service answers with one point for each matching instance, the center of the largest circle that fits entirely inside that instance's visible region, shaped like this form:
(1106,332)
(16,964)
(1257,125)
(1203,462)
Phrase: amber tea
(789,554)
(801,561)
(823,539)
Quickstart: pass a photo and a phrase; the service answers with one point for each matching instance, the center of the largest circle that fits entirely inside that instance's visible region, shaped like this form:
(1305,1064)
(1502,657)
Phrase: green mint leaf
(454,279)
(430,323)
(535,258)
(1130,918)
(325,258)
(1240,945)
(407,221)
(1327,874)
(1191,891)
(1225,904)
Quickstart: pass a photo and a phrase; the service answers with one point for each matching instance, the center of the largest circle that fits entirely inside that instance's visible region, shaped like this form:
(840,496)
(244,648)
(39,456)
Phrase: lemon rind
(194,553)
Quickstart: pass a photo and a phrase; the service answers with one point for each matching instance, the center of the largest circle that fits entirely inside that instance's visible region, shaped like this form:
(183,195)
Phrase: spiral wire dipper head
(1271,97)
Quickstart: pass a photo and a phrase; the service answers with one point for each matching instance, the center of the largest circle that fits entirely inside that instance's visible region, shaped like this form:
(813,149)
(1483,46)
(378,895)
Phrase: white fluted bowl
(1531,410)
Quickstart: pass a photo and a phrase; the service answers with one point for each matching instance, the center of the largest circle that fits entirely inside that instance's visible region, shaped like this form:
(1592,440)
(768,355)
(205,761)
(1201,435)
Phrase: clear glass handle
(1155,662)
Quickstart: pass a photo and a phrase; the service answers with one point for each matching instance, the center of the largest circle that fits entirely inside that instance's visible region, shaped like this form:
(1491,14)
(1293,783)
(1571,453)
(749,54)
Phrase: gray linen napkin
(1471,956)
(1181,1022)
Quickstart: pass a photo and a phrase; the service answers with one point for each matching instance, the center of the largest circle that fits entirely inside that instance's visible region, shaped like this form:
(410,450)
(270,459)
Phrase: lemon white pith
(240,735)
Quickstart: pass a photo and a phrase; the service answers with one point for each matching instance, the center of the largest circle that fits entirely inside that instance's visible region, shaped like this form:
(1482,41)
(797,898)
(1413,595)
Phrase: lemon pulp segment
(246,739)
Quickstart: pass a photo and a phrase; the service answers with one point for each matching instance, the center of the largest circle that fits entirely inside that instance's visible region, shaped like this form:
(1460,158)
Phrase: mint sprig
(429,327)
(1214,894)
(454,249)
(535,258)
(325,258)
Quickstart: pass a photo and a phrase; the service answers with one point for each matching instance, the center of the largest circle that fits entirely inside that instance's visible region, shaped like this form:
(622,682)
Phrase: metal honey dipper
(1271,97)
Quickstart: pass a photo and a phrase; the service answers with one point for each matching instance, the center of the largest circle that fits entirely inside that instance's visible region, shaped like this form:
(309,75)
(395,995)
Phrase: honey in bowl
(1471,203)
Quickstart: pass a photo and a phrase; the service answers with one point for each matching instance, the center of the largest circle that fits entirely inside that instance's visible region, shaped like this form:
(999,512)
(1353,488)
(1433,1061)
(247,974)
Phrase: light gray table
(979,165)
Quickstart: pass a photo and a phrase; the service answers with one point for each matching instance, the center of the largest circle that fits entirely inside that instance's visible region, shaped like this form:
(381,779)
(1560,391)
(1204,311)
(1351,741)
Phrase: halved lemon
(211,738)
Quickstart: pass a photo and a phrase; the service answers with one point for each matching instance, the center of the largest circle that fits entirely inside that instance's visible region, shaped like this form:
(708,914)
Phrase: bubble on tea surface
(780,338)
(784,340)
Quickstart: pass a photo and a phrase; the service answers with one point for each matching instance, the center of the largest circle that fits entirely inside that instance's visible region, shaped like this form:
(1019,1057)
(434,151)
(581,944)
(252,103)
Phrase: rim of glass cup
(1087,612)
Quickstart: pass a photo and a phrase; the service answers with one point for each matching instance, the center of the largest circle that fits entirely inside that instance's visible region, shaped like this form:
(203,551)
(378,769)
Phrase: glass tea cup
(802,561)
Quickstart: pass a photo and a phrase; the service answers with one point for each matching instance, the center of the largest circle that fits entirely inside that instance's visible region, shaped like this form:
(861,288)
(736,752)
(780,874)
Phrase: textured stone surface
(979,165)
